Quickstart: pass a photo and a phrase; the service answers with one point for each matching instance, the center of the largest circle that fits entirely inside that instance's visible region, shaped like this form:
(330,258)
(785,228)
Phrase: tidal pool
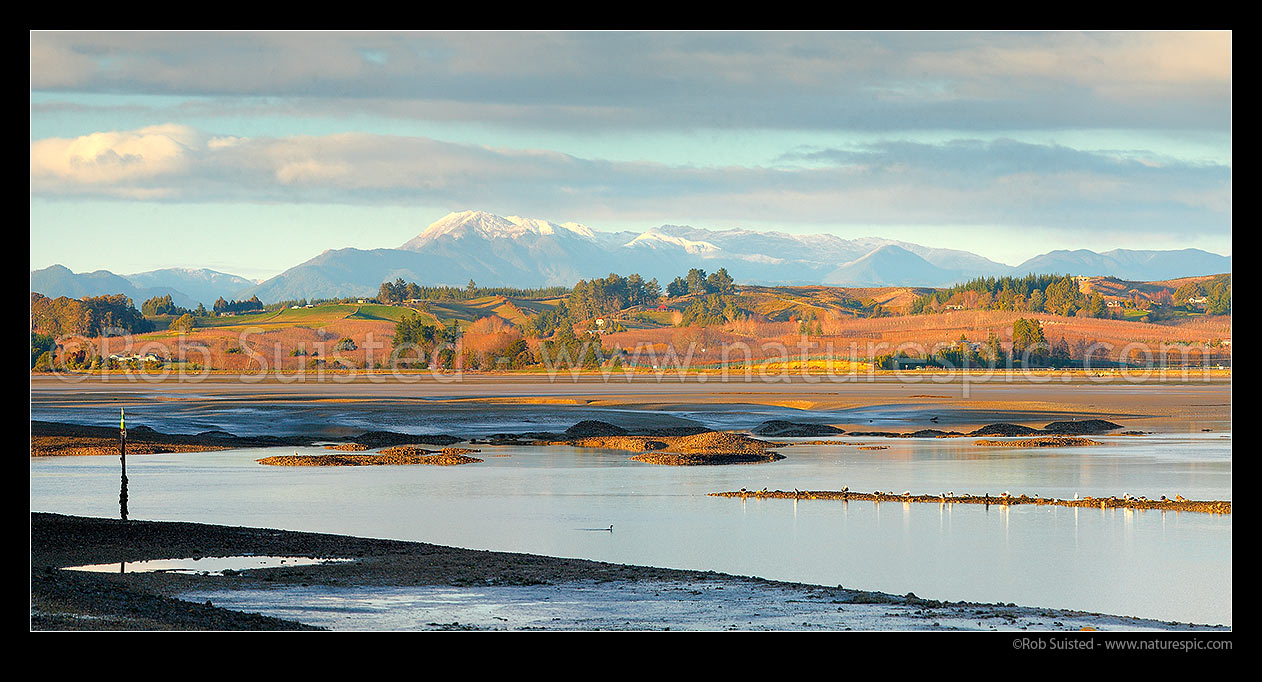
(211,565)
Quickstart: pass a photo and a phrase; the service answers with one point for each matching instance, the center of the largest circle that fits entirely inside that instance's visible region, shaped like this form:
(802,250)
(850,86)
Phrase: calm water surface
(1164,565)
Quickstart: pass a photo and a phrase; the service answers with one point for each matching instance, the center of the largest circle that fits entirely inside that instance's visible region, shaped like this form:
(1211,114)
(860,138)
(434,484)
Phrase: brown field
(491,323)
(858,337)
(780,303)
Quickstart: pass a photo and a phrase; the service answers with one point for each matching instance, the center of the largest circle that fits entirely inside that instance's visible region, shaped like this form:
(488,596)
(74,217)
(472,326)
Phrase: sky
(250,152)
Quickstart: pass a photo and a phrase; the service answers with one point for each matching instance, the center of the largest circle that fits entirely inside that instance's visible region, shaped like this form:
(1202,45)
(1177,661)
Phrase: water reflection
(1138,563)
(205,565)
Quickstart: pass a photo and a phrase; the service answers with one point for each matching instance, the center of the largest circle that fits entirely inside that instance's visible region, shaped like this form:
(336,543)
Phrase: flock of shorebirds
(1002,496)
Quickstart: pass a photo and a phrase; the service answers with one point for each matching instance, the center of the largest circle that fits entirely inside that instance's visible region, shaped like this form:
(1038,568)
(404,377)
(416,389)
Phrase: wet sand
(486,404)
(66,600)
(273,412)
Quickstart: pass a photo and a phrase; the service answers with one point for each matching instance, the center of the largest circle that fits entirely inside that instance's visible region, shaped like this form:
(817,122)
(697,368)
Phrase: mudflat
(1169,404)
(68,600)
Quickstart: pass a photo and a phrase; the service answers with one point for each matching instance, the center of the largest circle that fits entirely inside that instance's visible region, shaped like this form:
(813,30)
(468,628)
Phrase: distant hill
(514,251)
(187,287)
(353,272)
(201,285)
(1142,266)
(58,280)
(890,265)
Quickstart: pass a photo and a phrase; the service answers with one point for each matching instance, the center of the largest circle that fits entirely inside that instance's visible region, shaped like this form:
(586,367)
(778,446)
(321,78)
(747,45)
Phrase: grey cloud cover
(958,182)
(850,81)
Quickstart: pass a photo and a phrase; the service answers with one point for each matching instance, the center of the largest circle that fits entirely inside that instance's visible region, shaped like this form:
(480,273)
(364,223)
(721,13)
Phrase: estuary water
(561,501)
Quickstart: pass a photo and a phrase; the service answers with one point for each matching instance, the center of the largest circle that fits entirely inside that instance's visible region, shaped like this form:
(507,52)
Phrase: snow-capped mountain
(515,251)
(657,239)
(496,250)
(481,225)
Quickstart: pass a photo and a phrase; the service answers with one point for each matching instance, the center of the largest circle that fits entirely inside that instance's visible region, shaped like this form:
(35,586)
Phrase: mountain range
(526,252)
(186,287)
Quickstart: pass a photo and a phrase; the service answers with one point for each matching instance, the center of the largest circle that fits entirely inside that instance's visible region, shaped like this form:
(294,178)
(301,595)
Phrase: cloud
(110,159)
(800,80)
(997,182)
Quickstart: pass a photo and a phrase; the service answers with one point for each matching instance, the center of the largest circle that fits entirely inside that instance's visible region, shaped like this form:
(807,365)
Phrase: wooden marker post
(122,455)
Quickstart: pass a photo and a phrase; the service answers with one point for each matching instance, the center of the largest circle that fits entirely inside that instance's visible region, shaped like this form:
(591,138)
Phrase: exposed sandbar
(347,447)
(672,459)
(1044,442)
(49,439)
(779,428)
(57,439)
(396,456)
(1065,428)
(711,447)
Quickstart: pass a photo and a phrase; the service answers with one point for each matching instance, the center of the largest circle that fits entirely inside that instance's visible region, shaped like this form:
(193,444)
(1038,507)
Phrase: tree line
(697,282)
(1055,294)
(1030,349)
(110,315)
(418,344)
(1216,295)
(248,306)
(400,291)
